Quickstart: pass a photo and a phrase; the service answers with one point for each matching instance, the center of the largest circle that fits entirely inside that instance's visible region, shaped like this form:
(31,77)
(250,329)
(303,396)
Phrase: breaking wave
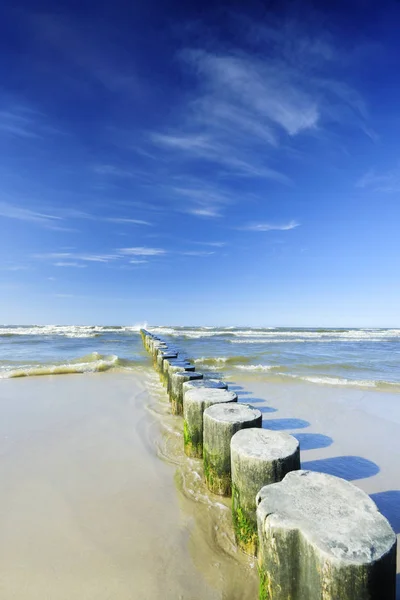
(91,363)
(70,331)
(262,335)
(223,360)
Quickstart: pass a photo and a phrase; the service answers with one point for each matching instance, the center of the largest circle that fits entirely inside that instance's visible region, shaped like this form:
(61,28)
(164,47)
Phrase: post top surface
(188,374)
(214,395)
(335,516)
(232,412)
(264,444)
(206,383)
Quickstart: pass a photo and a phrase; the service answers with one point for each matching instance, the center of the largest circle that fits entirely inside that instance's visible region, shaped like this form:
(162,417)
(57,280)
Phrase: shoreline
(90,510)
(354,434)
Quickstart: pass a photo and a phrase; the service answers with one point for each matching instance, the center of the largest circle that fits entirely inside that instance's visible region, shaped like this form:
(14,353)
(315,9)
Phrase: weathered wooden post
(162,355)
(152,341)
(177,380)
(322,538)
(175,365)
(221,421)
(258,457)
(195,401)
(205,383)
(156,347)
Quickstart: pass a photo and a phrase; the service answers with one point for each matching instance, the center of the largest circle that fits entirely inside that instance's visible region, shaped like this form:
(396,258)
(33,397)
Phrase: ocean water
(365,358)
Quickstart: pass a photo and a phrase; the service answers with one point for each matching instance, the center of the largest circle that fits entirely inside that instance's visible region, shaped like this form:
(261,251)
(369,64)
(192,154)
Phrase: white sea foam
(365,383)
(71,331)
(273,335)
(255,367)
(207,359)
(238,336)
(91,363)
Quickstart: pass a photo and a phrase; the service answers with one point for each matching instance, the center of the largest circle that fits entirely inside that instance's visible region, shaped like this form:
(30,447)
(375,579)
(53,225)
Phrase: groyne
(316,536)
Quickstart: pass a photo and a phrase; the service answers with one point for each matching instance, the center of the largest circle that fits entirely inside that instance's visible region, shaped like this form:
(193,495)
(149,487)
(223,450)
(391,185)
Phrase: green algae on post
(195,401)
(175,365)
(221,422)
(176,389)
(321,537)
(258,457)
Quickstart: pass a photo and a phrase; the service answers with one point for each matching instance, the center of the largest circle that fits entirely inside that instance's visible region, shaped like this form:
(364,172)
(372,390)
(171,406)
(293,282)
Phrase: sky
(187,163)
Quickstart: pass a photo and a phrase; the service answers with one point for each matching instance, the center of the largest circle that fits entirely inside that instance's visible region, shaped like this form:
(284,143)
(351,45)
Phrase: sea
(362,358)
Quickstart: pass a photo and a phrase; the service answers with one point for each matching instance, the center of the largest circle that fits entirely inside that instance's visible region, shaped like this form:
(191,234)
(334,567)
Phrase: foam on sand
(91,363)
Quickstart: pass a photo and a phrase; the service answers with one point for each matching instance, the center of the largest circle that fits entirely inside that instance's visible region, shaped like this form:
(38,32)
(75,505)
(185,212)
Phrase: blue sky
(176,163)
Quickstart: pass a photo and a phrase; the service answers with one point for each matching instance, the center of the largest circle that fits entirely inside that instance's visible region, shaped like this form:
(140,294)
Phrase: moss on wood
(244,527)
(193,441)
(217,475)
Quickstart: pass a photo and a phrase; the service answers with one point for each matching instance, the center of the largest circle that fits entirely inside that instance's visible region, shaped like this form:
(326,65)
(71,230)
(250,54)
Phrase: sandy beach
(88,510)
(98,500)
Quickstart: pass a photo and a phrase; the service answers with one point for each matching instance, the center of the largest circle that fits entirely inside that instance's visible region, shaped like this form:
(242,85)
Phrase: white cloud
(270,226)
(222,152)
(196,253)
(68,257)
(248,106)
(201,199)
(260,89)
(387,182)
(204,212)
(213,244)
(141,251)
(127,221)
(15,121)
(69,264)
(11,211)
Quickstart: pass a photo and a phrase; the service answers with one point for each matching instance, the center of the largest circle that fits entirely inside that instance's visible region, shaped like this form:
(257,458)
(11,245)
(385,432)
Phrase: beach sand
(98,500)
(87,508)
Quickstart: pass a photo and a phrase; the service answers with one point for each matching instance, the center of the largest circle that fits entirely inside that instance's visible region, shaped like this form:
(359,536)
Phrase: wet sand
(347,432)
(98,500)
(87,508)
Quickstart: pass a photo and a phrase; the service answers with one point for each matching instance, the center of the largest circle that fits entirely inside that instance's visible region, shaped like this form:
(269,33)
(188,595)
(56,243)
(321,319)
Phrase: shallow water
(363,358)
(212,545)
(88,510)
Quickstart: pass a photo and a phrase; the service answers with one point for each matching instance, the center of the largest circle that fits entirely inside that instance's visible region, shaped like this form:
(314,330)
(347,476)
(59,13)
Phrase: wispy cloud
(17,121)
(11,211)
(141,251)
(225,153)
(271,226)
(250,106)
(69,264)
(387,182)
(126,221)
(196,253)
(259,89)
(71,257)
(200,198)
(59,217)
(213,244)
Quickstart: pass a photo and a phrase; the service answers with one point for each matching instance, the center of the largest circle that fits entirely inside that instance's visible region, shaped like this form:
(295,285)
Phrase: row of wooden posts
(316,536)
